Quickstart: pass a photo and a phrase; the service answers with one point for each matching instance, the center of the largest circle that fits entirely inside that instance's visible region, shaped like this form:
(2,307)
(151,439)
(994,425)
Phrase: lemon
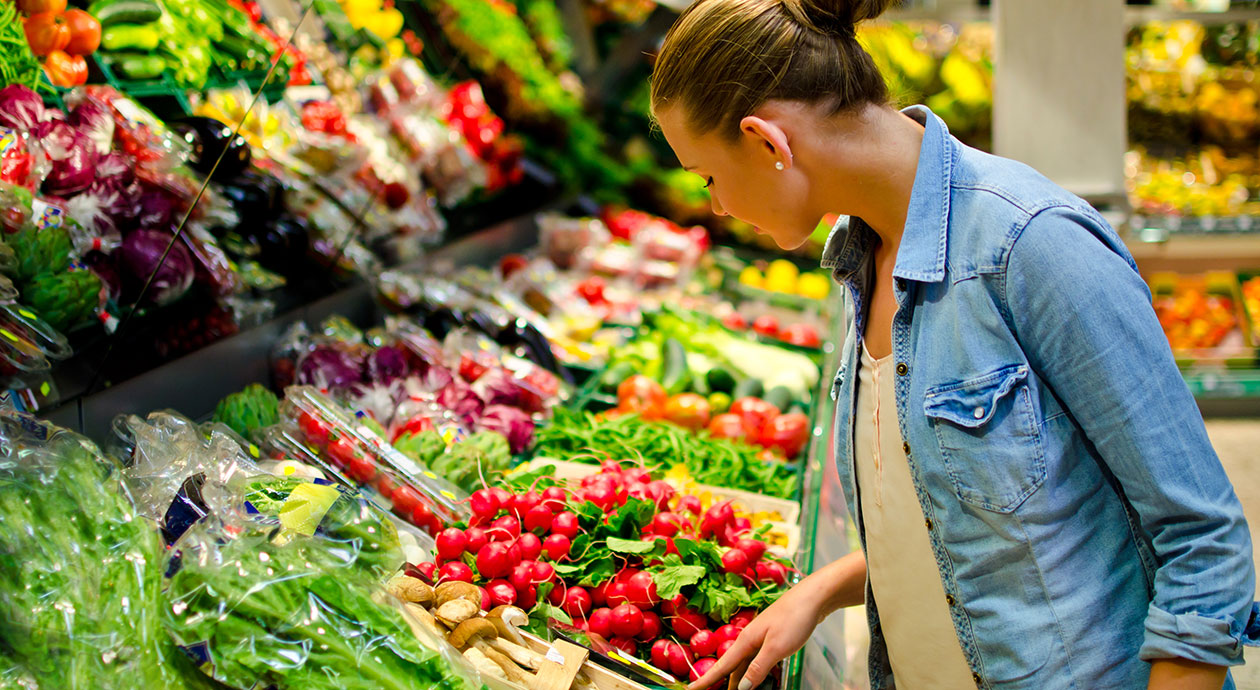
(784,268)
(751,277)
(813,286)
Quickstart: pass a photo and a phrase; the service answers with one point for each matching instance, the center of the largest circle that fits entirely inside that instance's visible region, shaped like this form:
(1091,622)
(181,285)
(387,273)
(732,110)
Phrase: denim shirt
(1081,521)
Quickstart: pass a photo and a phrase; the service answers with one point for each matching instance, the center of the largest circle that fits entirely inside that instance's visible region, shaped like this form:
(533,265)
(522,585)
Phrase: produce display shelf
(1133,15)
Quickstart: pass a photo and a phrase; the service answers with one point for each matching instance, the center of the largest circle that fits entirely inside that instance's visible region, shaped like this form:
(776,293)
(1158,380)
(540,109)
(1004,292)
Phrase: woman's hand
(786,625)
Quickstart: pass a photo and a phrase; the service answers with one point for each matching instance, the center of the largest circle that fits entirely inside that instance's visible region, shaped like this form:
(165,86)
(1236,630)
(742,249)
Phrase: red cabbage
(499,387)
(20,108)
(155,209)
(116,169)
(140,253)
(459,398)
(73,157)
(329,368)
(96,121)
(515,425)
(386,364)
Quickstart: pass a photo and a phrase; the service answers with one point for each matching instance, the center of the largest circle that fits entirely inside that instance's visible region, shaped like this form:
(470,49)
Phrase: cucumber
(720,380)
(615,374)
(749,387)
(110,12)
(779,396)
(675,376)
(700,385)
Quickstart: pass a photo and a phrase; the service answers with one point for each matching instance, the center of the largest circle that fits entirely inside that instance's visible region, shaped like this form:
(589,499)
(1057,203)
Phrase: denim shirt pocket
(990,437)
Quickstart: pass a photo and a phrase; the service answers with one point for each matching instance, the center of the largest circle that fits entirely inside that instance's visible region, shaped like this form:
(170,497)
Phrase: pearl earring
(778,165)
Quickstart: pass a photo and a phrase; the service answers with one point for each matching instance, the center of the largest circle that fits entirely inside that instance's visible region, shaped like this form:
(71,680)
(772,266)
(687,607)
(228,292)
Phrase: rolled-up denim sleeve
(1083,316)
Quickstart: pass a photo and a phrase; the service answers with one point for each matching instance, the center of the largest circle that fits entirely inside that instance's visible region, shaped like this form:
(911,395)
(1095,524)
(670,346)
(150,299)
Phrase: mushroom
(426,619)
(509,641)
(411,589)
(483,664)
(449,591)
(456,611)
(477,633)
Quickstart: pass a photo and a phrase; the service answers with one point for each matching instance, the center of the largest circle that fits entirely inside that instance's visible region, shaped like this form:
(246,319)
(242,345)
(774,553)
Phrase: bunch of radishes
(515,540)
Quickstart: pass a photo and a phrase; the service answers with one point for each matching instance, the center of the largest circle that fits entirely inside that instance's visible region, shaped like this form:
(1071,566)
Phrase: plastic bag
(80,570)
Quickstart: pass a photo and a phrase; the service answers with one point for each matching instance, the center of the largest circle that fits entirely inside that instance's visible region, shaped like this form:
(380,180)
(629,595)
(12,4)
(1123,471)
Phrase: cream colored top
(913,613)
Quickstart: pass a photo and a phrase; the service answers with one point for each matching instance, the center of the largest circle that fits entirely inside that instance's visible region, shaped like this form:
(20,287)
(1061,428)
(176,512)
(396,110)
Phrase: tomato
(766,325)
(342,451)
(85,33)
(727,425)
(361,469)
(802,334)
(755,413)
(406,500)
(688,410)
(316,431)
(29,7)
(735,322)
(643,395)
(788,433)
(415,425)
(592,290)
(47,33)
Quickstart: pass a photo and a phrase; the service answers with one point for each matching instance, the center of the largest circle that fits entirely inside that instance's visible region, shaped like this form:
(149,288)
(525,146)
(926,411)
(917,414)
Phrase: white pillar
(1058,102)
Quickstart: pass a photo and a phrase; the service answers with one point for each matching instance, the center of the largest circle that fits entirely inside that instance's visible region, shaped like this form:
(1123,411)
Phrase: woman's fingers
(757,670)
(734,658)
(733,682)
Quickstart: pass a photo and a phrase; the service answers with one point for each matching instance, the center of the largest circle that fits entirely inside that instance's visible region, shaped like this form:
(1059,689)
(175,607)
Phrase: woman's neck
(877,156)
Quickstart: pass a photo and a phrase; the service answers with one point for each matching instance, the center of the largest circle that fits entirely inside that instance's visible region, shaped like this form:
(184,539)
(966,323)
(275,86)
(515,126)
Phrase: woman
(1039,504)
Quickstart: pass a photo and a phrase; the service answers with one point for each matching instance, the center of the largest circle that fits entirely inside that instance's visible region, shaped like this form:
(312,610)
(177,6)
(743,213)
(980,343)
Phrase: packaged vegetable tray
(1205,319)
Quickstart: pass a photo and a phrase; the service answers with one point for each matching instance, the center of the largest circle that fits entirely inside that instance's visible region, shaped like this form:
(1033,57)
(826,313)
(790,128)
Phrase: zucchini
(748,388)
(779,396)
(110,12)
(137,67)
(720,380)
(675,376)
(615,374)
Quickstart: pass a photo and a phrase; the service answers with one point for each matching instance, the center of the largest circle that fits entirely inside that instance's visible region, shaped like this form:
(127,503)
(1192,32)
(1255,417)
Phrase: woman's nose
(717,205)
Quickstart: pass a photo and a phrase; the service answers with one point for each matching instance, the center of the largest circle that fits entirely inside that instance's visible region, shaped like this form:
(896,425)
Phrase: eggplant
(211,139)
(283,242)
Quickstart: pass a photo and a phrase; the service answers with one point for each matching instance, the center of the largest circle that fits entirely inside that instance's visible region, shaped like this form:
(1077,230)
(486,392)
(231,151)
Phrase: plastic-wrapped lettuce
(271,607)
(80,571)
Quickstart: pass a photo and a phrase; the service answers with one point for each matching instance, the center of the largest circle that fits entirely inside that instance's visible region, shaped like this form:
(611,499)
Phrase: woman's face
(742,178)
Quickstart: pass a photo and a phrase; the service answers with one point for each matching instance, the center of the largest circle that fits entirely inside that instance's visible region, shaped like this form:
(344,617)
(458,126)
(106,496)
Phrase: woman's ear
(769,138)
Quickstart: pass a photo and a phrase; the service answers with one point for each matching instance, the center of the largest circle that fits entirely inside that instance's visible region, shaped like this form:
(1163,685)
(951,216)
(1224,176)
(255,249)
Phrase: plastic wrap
(80,570)
(563,238)
(28,345)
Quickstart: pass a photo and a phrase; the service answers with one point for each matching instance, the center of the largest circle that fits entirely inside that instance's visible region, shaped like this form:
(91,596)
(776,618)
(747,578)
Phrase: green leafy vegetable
(251,409)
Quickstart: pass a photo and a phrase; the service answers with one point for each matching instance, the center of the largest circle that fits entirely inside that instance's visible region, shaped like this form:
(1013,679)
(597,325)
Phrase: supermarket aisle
(1236,441)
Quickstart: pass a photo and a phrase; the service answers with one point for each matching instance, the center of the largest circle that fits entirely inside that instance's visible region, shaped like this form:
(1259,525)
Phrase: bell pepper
(65,69)
(143,37)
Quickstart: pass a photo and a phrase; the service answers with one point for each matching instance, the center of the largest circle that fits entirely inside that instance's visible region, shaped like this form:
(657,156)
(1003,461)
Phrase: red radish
(610,467)
(515,556)
(577,602)
(769,571)
(671,607)
(703,643)
(690,504)
(527,599)
(485,599)
(651,627)
(701,667)
(660,654)
(502,593)
(543,572)
(627,620)
(476,538)
(715,518)
(557,547)
(554,499)
(625,644)
(599,593)
(556,596)
(504,496)
(531,546)
(726,632)
(753,547)
(688,622)
(743,618)
(508,525)
(454,571)
(484,504)
(667,524)
(523,576)
(538,519)
(641,589)
(742,524)
(451,543)
(565,523)
(492,560)
(637,475)
(734,561)
(724,647)
(427,571)
(617,594)
(600,622)
(679,661)
(523,503)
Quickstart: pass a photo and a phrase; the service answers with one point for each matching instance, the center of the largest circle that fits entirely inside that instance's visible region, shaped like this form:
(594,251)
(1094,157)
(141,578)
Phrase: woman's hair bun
(838,16)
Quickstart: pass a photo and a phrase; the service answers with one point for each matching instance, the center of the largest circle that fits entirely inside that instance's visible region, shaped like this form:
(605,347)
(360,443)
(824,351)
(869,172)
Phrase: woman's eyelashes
(708,184)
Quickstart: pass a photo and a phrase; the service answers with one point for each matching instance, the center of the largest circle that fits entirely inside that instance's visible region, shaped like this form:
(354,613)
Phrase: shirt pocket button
(978,413)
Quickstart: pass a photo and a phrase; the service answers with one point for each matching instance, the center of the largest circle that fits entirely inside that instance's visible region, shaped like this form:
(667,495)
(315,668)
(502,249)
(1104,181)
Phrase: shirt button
(979,413)
(976,677)
(949,599)
(902,369)
(928,523)
(905,446)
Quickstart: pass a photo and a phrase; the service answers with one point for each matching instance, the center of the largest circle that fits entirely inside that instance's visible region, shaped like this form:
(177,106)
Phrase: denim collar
(922,253)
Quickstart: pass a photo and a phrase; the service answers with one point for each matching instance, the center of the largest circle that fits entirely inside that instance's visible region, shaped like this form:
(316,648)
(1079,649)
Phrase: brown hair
(723,59)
